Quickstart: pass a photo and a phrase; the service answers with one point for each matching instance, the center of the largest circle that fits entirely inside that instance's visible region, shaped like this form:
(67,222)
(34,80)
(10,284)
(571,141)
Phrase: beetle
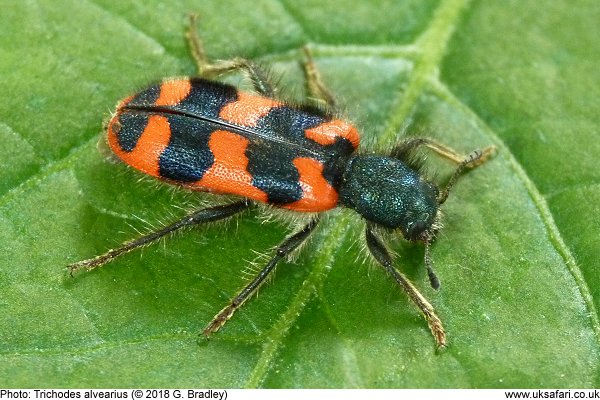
(206,135)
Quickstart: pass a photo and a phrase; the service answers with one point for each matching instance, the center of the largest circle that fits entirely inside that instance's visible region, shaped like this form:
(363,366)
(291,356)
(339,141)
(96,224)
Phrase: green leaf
(517,256)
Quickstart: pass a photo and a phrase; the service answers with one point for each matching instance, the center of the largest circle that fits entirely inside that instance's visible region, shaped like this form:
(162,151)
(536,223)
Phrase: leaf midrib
(404,109)
(433,43)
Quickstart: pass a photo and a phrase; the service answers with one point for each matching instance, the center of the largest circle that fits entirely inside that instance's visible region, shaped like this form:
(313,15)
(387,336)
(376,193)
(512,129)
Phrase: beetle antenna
(433,279)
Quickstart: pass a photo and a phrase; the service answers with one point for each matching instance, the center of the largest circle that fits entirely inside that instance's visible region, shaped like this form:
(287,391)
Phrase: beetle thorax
(387,192)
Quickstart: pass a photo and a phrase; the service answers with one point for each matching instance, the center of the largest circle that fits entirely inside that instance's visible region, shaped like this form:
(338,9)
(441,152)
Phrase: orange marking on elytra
(152,142)
(173,91)
(229,174)
(327,132)
(317,193)
(247,109)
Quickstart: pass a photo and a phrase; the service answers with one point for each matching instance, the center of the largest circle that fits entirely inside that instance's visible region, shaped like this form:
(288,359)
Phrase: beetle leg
(382,255)
(208,69)
(197,217)
(283,250)
(472,160)
(449,153)
(317,89)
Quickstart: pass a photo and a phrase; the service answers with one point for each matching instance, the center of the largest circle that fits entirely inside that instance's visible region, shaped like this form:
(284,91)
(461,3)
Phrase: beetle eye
(415,229)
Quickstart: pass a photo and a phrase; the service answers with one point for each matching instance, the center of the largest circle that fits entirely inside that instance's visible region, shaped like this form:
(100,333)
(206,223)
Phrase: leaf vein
(333,233)
(432,45)
(538,200)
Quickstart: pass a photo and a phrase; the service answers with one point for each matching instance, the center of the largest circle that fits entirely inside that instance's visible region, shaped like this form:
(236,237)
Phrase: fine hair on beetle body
(302,160)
